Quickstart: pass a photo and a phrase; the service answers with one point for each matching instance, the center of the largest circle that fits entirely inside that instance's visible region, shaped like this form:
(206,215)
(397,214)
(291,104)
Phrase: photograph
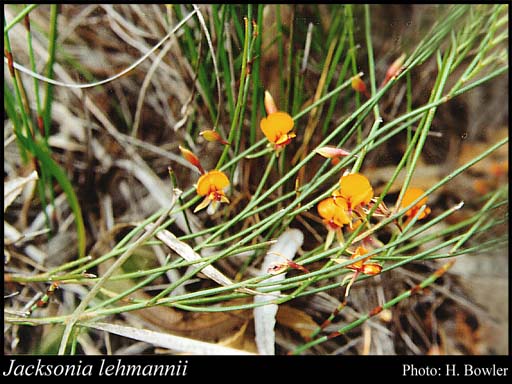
(190,188)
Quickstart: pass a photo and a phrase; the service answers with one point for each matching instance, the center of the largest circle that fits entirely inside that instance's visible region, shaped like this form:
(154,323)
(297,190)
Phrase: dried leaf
(185,251)
(240,340)
(158,190)
(297,320)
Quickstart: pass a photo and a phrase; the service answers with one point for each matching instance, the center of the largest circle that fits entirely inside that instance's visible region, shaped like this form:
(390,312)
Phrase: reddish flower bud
(192,159)
(211,135)
(394,69)
(359,86)
(331,152)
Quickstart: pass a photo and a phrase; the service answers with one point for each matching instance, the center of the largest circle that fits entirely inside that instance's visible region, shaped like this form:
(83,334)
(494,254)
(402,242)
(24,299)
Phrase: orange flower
(410,195)
(212,185)
(355,190)
(276,127)
(362,265)
(333,213)
(334,216)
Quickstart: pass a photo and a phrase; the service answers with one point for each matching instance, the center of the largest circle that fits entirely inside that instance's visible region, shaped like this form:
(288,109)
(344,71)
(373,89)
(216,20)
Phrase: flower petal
(203,204)
(275,125)
(356,189)
(371,269)
(211,181)
(330,211)
(410,195)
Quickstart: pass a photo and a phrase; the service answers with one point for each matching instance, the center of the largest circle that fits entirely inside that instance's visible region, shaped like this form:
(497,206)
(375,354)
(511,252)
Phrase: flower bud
(191,158)
(394,69)
(270,104)
(358,85)
(211,135)
(331,152)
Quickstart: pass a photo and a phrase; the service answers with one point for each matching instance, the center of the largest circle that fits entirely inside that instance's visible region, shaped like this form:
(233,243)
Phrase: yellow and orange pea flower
(276,127)
(334,216)
(355,190)
(212,185)
(410,195)
(362,266)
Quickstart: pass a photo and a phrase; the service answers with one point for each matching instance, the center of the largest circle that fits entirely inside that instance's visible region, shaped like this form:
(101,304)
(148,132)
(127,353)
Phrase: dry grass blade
(165,340)
(13,188)
(265,316)
(27,71)
(185,251)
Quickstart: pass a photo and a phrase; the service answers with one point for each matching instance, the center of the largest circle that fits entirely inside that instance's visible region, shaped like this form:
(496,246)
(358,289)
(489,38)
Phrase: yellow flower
(333,213)
(276,127)
(355,190)
(334,216)
(212,185)
(410,195)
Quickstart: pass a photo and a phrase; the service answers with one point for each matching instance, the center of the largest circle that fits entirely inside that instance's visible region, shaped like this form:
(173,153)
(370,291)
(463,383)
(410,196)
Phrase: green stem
(20,16)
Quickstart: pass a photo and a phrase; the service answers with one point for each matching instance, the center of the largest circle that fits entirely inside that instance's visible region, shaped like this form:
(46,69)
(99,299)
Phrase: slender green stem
(240,98)
(425,283)
(20,16)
